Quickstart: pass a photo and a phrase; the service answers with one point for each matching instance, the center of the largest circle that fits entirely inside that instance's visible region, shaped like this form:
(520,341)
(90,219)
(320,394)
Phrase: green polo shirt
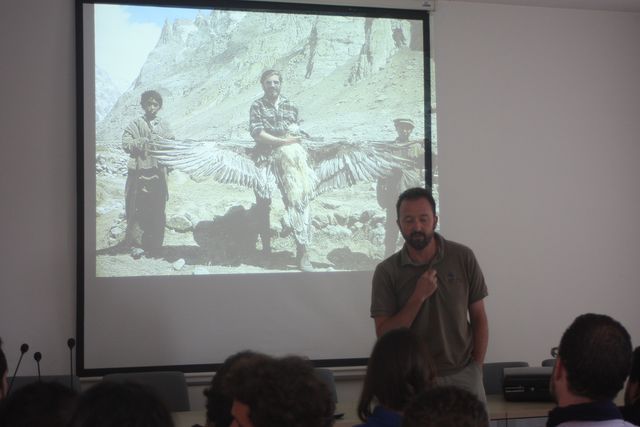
(443,318)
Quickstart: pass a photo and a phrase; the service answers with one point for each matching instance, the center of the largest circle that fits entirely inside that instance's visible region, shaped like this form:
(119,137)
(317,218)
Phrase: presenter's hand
(427,284)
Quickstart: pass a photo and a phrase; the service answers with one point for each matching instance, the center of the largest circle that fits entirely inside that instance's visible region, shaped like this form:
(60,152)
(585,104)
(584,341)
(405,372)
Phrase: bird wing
(202,159)
(345,163)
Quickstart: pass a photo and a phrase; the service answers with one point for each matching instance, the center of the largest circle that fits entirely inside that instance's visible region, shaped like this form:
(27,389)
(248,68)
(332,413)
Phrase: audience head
(39,404)
(283,392)
(399,368)
(112,404)
(446,406)
(594,359)
(632,392)
(218,402)
(4,372)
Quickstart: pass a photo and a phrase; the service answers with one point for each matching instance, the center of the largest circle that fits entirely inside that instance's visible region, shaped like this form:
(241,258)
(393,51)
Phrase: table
(500,409)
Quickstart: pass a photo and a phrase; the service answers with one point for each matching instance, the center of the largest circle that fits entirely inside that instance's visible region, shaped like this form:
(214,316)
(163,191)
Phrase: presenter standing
(435,287)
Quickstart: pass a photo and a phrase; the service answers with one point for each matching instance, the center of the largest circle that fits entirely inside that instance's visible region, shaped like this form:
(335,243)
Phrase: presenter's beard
(418,240)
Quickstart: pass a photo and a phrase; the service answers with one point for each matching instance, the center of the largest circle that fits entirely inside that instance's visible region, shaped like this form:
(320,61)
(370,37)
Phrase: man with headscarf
(399,179)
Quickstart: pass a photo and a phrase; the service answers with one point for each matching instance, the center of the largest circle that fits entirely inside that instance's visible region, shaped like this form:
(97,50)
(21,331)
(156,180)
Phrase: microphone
(38,357)
(23,349)
(71,343)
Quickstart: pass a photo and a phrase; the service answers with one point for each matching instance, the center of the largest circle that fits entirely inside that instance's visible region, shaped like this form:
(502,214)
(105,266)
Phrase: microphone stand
(38,356)
(23,349)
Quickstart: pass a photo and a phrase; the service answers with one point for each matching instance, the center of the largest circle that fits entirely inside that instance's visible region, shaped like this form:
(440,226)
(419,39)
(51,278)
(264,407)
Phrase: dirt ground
(210,231)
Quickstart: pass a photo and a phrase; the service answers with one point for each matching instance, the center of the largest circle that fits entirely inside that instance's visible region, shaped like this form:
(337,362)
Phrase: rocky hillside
(349,75)
(350,78)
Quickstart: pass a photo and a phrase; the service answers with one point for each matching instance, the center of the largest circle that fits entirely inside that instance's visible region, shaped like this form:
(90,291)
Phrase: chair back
(493,375)
(548,362)
(326,376)
(169,386)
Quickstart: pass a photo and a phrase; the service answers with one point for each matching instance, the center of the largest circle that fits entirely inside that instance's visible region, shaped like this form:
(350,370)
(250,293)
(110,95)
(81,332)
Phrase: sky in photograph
(124,36)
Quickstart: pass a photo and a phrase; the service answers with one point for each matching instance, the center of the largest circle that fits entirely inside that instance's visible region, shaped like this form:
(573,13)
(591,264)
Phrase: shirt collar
(275,105)
(592,411)
(386,417)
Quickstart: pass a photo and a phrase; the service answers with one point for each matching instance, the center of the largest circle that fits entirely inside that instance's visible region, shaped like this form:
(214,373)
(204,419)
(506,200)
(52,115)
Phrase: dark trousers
(145,202)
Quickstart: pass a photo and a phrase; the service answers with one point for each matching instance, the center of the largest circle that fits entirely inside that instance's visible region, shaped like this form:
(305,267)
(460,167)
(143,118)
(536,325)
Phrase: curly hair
(283,392)
(596,353)
(218,402)
(446,406)
(399,368)
(150,94)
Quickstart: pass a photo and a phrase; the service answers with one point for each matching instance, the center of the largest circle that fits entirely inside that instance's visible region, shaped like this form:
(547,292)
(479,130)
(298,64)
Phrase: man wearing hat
(399,179)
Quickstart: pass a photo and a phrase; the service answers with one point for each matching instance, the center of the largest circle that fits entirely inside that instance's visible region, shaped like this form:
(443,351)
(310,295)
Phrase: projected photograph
(235,141)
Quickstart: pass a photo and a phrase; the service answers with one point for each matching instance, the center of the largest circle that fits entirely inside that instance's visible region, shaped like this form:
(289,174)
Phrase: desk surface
(499,409)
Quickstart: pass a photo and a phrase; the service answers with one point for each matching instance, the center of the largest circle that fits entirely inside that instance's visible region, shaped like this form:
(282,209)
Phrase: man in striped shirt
(273,123)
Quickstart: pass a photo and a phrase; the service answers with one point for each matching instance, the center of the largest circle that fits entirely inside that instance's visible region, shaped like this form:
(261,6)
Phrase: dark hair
(114,404)
(39,404)
(4,367)
(634,374)
(270,73)
(282,392)
(150,94)
(596,353)
(446,406)
(218,402)
(414,194)
(399,368)
(631,411)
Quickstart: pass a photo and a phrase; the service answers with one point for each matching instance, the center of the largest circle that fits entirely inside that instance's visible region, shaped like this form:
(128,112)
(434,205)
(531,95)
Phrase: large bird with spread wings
(301,171)
(333,165)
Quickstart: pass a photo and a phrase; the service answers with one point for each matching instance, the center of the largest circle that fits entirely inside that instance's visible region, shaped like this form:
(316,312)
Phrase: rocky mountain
(350,76)
(107,93)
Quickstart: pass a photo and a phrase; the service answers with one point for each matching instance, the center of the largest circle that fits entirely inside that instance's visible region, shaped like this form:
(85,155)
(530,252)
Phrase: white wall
(539,135)
(37,178)
(539,128)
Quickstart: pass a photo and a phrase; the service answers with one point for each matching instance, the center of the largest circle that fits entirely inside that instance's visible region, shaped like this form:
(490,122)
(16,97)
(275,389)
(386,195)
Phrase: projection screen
(199,236)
